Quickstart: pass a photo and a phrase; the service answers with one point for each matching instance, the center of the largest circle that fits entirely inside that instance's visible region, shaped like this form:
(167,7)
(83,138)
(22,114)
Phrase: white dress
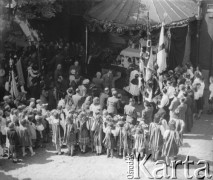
(134,89)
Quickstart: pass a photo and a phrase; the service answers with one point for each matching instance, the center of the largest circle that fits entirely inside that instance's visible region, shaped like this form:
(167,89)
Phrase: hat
(85,81)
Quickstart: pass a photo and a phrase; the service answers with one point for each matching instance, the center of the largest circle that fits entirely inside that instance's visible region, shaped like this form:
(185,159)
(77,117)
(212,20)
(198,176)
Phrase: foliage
(32,9)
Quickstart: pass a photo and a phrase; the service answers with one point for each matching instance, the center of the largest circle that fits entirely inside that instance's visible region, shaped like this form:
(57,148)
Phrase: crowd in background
(90,114)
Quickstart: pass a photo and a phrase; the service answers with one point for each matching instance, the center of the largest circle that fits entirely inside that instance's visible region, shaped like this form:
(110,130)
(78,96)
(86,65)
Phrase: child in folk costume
(83,131)
(139,142)
(91,121)
(13,141)
(156,138)
(119,136)
(109,140)
(25,137)
(70,134)
(98,133)
(56,129)
(39,129)
(32,128)
(127,140)
(171,142)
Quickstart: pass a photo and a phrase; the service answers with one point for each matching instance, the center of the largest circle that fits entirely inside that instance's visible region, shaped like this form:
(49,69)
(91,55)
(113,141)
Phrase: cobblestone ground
(47,166)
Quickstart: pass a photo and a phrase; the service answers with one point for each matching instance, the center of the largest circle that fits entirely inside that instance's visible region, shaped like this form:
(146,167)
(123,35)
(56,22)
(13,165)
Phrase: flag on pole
(150,67)
(161,55)
(141,63)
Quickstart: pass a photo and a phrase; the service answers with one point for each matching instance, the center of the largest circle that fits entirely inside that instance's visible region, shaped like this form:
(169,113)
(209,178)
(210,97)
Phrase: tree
(32,9)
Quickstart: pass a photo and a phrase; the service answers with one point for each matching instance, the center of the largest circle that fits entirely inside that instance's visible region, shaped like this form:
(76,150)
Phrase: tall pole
(86,49)
(198,30)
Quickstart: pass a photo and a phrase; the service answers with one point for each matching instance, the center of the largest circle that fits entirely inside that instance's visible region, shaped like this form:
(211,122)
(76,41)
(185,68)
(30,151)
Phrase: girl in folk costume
(119,136)
(56,129)
(98,134)
(109,140)
(70,134)
(127,140)
(156,138)
(83,131)
(25,137)
(139,142)
(32,128)
(91,120)
(171,142)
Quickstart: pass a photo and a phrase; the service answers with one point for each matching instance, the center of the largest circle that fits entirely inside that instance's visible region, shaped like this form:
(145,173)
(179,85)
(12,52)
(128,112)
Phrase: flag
(150,67)
(20,73)
(141,63)
(161,55)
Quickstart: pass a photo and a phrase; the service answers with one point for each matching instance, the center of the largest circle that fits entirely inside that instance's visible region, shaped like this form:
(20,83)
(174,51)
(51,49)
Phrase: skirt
(84,141)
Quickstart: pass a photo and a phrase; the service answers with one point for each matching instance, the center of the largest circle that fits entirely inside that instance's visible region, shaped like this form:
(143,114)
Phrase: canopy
(132,14)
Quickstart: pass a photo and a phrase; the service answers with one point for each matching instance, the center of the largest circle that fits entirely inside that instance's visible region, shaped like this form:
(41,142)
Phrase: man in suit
(147,113)
(113,104)
(77,99)
(103,98)
(130,112)
(108,79)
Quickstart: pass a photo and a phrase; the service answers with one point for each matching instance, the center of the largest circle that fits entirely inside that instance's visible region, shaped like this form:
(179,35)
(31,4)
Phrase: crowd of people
(90,115)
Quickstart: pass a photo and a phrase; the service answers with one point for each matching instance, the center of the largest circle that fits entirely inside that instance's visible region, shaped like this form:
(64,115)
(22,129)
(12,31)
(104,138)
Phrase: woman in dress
(135,88)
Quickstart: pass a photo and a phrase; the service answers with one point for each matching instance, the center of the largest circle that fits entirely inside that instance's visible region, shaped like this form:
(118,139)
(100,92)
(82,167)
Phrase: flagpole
(86,50)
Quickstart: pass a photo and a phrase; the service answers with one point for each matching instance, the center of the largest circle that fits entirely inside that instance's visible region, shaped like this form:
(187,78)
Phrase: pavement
(45,165)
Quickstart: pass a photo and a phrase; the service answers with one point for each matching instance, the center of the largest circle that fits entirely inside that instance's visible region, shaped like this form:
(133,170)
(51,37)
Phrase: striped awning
(133,13)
